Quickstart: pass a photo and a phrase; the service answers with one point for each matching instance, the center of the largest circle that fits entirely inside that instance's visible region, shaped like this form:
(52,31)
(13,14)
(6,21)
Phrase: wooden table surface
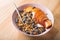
(8,30)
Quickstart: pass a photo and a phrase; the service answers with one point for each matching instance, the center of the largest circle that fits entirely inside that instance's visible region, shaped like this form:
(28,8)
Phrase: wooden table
(8,30)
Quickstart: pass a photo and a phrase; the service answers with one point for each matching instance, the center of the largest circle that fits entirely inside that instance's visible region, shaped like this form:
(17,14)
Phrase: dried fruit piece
(41,18)
(28,9)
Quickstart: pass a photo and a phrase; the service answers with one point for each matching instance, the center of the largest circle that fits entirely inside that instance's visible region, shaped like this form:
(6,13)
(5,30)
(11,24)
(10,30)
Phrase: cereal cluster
(29,25)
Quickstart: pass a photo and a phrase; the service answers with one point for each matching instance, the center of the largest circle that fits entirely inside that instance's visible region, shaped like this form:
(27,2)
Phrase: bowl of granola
(36,19)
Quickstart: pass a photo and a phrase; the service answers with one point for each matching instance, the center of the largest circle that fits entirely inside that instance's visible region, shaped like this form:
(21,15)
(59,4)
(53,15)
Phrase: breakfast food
(32,17)
(41,18)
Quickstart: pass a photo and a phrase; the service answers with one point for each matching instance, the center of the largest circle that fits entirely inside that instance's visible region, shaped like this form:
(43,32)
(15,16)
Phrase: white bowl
(43,8)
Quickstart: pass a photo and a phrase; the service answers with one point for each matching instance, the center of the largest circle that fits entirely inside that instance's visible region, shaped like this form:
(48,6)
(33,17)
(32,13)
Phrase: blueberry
(27,32)
(43,30)
(20,28)
(30,17)
(39,32)
(32,32)
(16,20)
(21,11)
(33,7)
(24,20)
(31,14)
(21,16)
(26,17)
(28,21)
(33,22)
(36,27)
(33,25)
(25,14)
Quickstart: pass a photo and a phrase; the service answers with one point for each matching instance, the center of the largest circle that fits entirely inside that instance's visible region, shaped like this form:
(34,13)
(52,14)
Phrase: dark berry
(43,30)
(24,20)
(27,32)
(20,28)
(26,17)
(33,7)
(25,14)
(32,32)
(36,27)
(39,32)
(31,14)
(21,11)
